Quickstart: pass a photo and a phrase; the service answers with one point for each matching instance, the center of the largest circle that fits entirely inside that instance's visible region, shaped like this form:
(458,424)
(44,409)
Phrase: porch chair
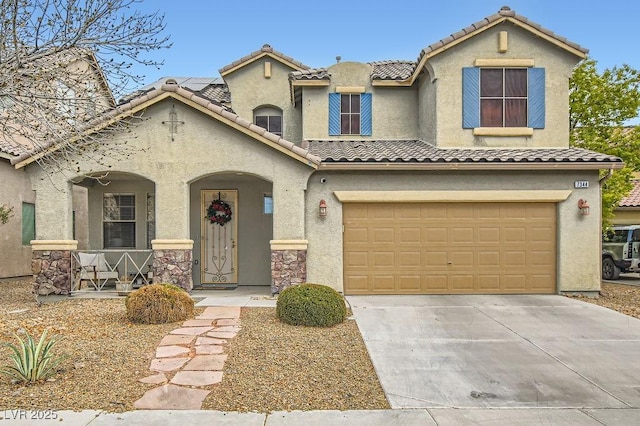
(95,269)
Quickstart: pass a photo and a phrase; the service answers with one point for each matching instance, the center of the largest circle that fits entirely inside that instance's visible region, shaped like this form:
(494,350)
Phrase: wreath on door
(219,212)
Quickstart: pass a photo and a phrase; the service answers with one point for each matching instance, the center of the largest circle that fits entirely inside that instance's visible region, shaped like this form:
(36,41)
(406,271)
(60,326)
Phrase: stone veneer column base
(173,262)
(288,264)
(51,266)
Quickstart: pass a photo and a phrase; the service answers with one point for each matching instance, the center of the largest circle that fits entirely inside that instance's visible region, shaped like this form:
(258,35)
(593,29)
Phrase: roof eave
(469,166)
(226,71)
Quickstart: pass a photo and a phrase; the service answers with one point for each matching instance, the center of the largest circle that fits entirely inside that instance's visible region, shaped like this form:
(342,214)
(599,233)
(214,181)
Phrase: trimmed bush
(158,303)
(311,305)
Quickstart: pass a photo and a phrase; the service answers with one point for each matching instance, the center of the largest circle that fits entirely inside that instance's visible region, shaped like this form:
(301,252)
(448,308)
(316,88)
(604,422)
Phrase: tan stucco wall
(578,237)
(202,146)
(255,229)
(427,108)
(626,217)
(15,259)
(394,110)
(250,90)
(447,70)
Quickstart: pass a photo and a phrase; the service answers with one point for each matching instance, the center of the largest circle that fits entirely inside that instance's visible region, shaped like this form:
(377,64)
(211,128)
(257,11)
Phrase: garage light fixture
(322,208)
(583,206)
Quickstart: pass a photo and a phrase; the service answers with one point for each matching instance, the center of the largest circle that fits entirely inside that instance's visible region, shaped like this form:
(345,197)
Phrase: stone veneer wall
(173,266)
(288,267)
(52,271)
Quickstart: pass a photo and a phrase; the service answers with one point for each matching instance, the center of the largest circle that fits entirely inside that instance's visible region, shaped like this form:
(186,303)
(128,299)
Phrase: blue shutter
(334,114)
(365,114)
(535,110)
(470,97)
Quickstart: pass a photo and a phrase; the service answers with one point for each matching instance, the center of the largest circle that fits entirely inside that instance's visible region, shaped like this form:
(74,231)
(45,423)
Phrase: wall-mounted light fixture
(322,208)
(583,206)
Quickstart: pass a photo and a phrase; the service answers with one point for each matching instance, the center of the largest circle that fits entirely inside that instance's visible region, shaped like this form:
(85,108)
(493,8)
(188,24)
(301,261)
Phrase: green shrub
(32,362)
(312,305)
(158,303)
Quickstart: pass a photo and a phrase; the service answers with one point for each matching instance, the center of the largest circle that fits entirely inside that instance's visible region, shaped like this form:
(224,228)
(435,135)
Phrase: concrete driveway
(500,351)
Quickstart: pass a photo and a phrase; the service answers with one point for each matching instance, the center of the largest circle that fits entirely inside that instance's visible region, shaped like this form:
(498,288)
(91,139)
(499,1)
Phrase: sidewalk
(422,417)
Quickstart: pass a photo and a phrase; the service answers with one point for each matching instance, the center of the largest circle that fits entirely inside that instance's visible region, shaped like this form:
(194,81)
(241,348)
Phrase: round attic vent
(171,81)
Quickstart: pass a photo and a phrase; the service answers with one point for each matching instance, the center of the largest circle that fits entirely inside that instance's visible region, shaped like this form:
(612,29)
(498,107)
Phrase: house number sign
(581,184)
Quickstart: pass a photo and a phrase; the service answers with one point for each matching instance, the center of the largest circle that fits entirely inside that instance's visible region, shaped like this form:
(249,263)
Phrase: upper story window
(350,114)
(269,118)
(503,97)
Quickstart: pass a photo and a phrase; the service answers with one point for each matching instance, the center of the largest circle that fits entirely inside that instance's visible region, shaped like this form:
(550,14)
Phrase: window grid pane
(350,114)
(503,97)
(119,215)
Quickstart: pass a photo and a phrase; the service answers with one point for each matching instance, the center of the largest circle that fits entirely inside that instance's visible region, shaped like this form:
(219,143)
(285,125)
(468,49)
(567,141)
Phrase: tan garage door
(449,248)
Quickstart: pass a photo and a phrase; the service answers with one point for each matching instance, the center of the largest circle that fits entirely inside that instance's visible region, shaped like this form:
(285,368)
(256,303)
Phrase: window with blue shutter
(350,114)
(503,97)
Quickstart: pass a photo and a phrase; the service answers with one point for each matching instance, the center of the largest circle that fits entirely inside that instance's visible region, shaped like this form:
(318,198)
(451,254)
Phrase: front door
(219,213)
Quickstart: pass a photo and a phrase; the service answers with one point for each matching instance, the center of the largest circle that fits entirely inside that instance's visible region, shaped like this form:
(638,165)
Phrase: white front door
(219,214)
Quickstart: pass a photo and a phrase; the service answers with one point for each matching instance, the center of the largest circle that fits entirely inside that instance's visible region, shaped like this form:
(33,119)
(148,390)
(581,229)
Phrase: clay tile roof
(392,70)
(214,107)
(504,12)
(9,148)
(213,88)
(418,151)
(265,49)
(633,199)
(310,74)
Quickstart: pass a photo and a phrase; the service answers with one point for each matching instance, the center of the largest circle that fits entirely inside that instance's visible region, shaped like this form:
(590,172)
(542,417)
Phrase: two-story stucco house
(449,174)
(73,82)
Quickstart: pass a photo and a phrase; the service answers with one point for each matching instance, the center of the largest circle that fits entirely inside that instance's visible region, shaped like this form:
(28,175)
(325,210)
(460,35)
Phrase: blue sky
(209,34)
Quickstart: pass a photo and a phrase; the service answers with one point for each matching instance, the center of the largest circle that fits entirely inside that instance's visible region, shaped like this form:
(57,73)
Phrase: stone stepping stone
(167,364)
(206,363)
(232,329)
(221,334)
(176,339)
(156,379)
(197,323)
(171,397)
(197,378)
(171,351)
(227,321)
(209,349)
(191,331)
(219,312)
(210,341)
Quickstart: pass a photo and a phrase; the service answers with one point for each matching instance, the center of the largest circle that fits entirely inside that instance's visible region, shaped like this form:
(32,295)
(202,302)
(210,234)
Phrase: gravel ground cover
(271,366)
(621,298)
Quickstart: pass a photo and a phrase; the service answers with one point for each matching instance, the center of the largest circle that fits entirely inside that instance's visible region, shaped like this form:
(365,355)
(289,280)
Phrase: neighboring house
(82,88)
(628,210)
(448,174)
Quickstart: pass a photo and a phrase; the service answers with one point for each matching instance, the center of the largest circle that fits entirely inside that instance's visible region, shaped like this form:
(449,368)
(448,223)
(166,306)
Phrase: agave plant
(32,362)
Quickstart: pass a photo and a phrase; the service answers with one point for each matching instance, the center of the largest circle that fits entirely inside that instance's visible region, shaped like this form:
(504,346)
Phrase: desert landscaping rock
(167,364)
(220,312)
(171,351)
(172,397)
(156,379)
(209,341)
(191,331)
(206,363)
(176,339)
(197,378)
(209,349)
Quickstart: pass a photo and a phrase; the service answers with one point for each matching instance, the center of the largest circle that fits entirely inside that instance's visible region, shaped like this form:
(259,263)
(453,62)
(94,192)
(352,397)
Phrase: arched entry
(231,224)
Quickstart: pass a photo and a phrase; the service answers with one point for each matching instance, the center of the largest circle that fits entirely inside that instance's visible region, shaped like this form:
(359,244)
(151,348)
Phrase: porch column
(288,264)
(51,250)
(51,266)
(172,262)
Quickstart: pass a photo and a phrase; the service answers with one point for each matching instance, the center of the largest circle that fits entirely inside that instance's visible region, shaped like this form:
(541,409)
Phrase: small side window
(267,204)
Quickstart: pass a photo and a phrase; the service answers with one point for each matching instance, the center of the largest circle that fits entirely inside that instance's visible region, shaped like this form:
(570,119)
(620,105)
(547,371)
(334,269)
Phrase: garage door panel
(457,248)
